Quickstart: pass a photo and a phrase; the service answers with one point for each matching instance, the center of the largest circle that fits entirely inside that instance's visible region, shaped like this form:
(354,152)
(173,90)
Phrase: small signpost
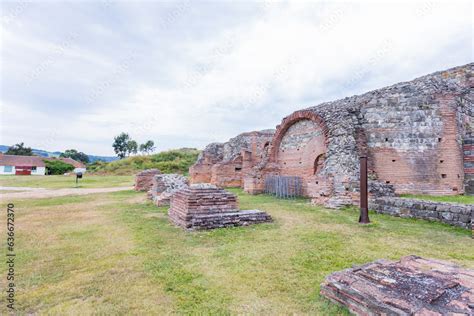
(364,199)
(78,176)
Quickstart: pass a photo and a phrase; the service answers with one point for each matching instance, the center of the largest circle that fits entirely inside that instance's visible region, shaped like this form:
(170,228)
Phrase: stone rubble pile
(143,180)
(164,186)
(205,206)
(411,286)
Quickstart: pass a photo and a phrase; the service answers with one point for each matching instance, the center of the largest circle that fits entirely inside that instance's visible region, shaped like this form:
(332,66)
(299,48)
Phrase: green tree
(132,147)
(147,147)
(57,167)
(76,155)
(120,145)
(19,150)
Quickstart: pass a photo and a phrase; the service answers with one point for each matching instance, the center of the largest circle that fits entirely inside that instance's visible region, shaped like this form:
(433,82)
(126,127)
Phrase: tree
(147,147)
(57,167)
(74,154)
(120,145)
(19,150)
(132,147)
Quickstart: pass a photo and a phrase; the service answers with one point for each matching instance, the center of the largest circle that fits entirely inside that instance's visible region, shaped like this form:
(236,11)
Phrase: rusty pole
(364,200)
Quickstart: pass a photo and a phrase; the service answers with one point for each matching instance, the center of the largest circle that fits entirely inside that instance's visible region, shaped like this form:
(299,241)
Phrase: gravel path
(38,193)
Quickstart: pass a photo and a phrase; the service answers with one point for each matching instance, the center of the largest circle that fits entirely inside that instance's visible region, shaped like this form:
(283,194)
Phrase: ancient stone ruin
(143,180)
(461,215)
(418,137)
(226,164)
(164,186)
(205,206)
(411,286)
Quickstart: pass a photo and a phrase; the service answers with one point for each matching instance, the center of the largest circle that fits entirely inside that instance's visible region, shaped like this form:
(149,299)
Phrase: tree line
(125,146)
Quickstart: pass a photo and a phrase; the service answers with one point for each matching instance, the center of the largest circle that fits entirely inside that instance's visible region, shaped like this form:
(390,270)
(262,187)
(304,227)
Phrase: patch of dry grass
(59,182)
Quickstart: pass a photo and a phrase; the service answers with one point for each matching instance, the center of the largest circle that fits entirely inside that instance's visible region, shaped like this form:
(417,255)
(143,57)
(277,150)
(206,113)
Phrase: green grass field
(58,182)
(117,253)
(463,199)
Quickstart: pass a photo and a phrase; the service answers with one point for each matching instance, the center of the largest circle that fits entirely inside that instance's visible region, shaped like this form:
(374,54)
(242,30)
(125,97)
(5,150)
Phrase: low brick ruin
(143,180)
(164,186)
(226,164)
(205,206)
(455,214)
(417,135)
(411,286)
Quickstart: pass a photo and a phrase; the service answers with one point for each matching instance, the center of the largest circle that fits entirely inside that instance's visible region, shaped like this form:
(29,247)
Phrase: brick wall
(468,150)
(414,142)
(302,152)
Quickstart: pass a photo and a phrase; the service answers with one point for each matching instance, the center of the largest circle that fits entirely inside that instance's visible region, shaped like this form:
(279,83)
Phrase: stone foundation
(454,214)
(204,206)
(164,186)
(411,286)
(143,180)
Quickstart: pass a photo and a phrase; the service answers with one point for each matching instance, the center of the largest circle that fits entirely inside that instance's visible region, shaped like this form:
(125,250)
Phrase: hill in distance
(171,161)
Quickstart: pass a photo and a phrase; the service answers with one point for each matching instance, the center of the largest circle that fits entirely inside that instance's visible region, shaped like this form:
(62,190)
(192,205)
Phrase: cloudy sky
(185,73)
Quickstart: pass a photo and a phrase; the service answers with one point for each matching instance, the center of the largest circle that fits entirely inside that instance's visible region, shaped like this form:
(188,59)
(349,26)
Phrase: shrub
(172,161)
(57,167)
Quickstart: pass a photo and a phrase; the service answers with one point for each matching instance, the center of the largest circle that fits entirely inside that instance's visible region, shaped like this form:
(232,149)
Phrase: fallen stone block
(411,286)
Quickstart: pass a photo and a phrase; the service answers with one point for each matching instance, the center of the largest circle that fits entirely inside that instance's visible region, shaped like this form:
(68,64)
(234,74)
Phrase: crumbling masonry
(418,136)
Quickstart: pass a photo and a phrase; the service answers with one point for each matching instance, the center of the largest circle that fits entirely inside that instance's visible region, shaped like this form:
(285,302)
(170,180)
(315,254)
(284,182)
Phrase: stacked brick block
(144,179)
(204,206)
(411,286)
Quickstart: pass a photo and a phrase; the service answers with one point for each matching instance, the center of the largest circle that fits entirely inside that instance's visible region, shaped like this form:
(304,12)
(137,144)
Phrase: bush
(57,167)
(172,161)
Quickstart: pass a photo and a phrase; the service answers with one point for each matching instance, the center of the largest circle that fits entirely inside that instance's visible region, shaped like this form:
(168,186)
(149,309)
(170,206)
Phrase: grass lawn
(117,253)
(59,182)
(463,199)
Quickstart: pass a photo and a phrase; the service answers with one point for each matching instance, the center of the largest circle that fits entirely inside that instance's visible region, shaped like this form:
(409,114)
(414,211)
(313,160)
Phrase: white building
(22,165)
(32,165)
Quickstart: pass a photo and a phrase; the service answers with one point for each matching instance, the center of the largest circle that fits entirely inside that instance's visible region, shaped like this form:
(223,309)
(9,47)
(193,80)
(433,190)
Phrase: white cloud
(194,79)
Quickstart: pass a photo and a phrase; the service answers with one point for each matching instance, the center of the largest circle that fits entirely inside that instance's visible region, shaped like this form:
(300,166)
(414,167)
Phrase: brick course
(204,206)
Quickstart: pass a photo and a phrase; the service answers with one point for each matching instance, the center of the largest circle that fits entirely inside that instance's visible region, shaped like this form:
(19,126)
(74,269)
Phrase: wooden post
(364,199)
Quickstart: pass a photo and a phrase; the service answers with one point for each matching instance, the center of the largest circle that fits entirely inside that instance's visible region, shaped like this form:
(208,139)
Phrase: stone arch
(288,122)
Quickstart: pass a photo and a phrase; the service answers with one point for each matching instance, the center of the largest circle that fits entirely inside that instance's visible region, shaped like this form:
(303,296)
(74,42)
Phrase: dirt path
(38,193)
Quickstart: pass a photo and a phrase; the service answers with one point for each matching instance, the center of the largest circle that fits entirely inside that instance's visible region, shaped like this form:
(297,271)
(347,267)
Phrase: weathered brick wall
(144,179)
(469,164)
(410,131)
(225,165)
(451,213)
(302,152)
(414,142)
(228,174)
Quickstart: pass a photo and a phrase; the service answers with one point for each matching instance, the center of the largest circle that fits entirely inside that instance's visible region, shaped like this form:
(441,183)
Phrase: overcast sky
(187,73)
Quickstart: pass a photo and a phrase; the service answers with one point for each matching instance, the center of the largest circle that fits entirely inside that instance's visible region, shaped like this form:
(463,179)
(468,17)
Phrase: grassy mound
(172,161)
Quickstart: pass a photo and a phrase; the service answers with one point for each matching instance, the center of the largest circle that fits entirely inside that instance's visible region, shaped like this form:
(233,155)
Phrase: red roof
(24,161)
(75,163)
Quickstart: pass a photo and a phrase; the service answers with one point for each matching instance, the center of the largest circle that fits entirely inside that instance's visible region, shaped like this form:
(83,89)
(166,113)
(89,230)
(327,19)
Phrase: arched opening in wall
(265,149)
(319,163)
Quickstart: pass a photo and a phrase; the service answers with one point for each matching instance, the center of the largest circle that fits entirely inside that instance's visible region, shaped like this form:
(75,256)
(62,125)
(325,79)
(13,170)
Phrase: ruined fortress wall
(418,136)
(412,132)
(226,164)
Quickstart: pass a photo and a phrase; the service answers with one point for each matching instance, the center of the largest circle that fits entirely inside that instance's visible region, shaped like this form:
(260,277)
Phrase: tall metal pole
(364,199)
